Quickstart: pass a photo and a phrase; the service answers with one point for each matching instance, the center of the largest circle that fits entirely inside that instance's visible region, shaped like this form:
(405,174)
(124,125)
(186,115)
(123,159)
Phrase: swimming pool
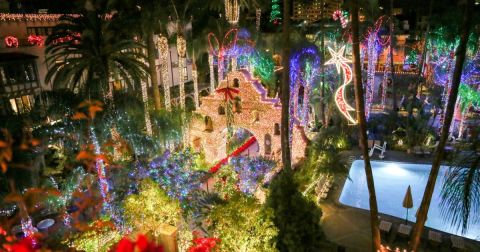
(391,182)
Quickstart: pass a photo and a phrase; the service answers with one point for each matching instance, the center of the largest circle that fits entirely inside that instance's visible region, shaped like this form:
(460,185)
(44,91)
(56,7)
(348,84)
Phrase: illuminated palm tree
(362,123)
(457,74)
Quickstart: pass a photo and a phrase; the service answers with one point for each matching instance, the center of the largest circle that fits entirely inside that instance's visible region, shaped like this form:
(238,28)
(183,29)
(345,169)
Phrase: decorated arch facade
(253,110)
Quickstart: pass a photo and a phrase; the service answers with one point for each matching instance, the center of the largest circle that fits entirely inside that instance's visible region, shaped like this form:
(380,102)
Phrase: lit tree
(243,224)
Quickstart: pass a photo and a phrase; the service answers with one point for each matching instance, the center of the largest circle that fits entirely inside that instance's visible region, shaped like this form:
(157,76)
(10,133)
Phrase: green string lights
(468,97)
(276,14)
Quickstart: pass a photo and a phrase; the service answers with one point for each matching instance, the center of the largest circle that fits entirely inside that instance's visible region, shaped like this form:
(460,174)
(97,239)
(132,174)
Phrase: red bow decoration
(228,92)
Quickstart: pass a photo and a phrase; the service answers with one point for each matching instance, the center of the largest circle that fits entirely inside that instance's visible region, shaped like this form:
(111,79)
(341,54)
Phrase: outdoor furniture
(377,146)
(404,230)
(385,226)
(417,150)
(435,238)
(457,242)
(45,224)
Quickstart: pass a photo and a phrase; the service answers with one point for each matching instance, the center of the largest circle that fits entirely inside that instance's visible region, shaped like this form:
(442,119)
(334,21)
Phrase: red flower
(204,244)
(140,245)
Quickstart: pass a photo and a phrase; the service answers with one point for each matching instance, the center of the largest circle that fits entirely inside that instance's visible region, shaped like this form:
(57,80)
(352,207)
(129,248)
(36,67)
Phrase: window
(208,124)
(39,31)
(22,104)
(237,104)
(276,130)
(268,144)
(236,83)
(221,110)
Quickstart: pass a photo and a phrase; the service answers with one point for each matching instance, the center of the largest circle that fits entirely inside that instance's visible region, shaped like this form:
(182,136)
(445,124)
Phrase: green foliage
(297,220)
(243,225)
(84,52)
(226,182)
(150,209)
(323,156)
(460,198)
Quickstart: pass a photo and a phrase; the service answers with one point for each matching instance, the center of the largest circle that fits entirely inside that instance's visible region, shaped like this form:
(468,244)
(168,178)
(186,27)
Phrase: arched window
(236,83)
(268,144)
(237,105)
(208,124)
(221,110)
(276,130)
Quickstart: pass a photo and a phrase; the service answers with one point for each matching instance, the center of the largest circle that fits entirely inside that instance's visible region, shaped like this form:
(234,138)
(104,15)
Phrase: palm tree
(285,96)
(392,68)
(460,195)
(362,123)
(84,53)
(452,98)
(147,16)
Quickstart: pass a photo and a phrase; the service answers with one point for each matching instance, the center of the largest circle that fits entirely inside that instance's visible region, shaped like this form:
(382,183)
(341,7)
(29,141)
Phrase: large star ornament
(337,58)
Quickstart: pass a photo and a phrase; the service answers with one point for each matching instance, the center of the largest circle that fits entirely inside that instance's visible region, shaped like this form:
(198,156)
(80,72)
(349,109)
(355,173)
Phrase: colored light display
(35,40)
(342,16)
(11,41)
(340,100)
(304,70)
(276,14)
(221,50)
(163,48)
(232,11)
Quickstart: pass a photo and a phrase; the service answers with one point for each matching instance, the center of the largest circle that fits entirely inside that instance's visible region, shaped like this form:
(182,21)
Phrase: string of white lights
(163,47)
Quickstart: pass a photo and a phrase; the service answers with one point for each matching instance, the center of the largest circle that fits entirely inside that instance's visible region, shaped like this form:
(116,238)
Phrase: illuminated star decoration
(340,100)
(337,58)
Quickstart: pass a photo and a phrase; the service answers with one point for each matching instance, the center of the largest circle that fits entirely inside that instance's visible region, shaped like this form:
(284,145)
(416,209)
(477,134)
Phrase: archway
(242,143)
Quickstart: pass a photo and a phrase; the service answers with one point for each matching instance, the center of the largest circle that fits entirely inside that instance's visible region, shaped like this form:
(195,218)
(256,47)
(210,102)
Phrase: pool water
(391,182)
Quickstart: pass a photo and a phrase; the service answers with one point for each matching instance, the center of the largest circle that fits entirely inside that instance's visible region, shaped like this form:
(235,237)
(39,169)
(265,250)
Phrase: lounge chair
(458,243)
(404,230)
(434,238)
(385,226)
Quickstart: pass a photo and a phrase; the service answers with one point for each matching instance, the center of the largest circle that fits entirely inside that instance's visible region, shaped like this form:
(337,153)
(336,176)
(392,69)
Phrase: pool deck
(350,227)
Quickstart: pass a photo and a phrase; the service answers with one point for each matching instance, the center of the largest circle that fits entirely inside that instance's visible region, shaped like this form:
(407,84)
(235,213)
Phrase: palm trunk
(285,138)
(392,66)
(422,60)
(457,74)
(152,69)
(322,68)
(360,108)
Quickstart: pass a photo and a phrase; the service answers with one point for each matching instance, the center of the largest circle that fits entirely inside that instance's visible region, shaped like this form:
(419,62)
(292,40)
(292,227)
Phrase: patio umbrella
(407,201)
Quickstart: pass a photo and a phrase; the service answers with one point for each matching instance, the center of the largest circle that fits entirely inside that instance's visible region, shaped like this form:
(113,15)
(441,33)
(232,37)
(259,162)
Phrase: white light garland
(181,48)
(32,17)
(232,11)
(195,84)
(163,48)
(212,73)
(258,16)
(148,123)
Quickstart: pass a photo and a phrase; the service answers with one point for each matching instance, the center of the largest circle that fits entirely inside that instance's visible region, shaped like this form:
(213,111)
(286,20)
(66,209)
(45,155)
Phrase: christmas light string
(11,41)
(304,69)
(340,100)
(162,44)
